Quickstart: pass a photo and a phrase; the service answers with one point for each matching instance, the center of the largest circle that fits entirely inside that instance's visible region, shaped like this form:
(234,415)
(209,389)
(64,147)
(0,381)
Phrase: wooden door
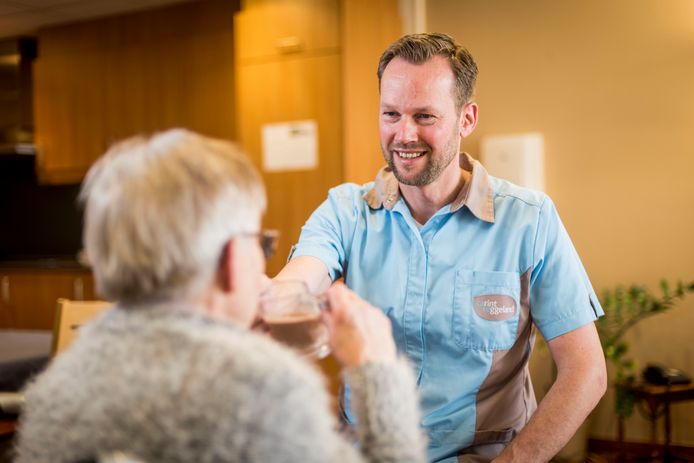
(274,85)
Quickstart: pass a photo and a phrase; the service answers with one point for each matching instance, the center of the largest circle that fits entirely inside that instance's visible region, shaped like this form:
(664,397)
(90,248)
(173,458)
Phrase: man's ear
(468,119)
(225,273)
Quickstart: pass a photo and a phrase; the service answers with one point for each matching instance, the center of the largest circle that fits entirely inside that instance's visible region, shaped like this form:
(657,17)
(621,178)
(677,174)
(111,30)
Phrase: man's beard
(433,168)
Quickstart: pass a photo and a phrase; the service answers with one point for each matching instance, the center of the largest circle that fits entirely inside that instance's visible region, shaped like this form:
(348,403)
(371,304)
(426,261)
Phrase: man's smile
(409,154)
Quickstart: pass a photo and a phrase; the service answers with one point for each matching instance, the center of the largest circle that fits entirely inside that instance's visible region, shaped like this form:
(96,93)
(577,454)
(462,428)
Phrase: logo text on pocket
(495,307)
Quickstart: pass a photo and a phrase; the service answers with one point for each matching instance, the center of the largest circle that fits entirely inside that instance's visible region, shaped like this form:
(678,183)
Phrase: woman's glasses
(268,241)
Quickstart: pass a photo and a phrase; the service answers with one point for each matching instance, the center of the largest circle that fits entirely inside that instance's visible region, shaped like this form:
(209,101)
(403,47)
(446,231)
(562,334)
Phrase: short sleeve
(328,232)
(561,296)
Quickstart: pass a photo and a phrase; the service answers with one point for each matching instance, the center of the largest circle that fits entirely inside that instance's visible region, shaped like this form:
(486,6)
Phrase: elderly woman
(172,372)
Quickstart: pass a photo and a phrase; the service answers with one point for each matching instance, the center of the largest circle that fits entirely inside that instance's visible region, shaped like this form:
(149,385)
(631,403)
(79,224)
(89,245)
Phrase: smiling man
(465,265)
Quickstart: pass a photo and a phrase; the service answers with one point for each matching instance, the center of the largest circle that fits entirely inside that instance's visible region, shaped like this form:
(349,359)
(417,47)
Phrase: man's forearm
(307,269)
(559,415)
(581,382)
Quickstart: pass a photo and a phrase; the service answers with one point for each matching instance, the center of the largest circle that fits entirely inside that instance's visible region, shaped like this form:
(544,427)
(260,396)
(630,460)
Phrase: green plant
(624,308)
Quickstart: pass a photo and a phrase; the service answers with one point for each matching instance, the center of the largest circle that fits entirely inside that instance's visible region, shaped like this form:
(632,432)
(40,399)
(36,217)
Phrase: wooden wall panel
(291,87)
(368,27)
(289,91)
(103,80)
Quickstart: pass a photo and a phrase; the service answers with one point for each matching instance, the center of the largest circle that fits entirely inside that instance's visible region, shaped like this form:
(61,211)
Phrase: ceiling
(25,17)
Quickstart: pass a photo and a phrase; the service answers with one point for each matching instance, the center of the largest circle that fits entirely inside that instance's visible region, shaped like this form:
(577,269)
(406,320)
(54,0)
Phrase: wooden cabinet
(99,81)
(274,28)
(285,86)
(70,135)
(28,296)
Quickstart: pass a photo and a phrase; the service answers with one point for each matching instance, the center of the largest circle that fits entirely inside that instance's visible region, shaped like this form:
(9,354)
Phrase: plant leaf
(665,288)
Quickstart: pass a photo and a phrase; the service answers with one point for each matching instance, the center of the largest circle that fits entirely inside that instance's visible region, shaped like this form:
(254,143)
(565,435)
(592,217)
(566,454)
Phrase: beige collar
(477,194)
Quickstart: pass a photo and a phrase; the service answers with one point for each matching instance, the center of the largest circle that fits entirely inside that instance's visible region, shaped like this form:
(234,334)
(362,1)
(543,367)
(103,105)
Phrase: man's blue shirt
(462,292)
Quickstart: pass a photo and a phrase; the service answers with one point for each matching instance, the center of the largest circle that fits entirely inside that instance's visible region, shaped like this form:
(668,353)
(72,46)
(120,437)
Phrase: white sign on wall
(290,146)
(517,158)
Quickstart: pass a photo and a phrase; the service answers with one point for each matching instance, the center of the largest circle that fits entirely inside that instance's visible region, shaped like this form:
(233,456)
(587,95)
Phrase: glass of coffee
(292,315)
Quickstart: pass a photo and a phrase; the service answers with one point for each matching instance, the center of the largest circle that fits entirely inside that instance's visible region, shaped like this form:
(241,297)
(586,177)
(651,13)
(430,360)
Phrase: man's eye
(390,114)
(425,117)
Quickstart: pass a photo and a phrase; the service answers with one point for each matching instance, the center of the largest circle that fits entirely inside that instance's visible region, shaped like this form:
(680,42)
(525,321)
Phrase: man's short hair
(419,48)
(159,211)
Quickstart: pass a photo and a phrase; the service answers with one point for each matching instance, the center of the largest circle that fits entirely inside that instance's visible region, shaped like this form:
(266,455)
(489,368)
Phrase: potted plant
(624,308)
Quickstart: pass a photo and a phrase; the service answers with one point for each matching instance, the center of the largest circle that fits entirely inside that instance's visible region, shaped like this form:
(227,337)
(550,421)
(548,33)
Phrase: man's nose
(406,131)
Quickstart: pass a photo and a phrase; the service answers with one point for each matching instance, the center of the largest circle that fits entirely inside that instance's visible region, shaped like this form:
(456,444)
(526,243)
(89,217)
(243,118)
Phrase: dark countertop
(43,264)
(25,353)
(23,344)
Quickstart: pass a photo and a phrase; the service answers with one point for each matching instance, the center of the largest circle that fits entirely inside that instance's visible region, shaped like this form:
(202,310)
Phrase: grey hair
(419,48)
(159,211)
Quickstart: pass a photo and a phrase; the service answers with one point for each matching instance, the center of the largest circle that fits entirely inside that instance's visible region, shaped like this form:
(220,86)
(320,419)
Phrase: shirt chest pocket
(486,308)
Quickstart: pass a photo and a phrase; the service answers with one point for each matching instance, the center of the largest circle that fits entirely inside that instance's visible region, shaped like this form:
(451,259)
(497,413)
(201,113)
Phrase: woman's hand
(359,333)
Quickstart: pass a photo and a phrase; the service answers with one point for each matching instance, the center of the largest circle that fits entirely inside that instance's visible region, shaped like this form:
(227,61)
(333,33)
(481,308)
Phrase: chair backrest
(71,314)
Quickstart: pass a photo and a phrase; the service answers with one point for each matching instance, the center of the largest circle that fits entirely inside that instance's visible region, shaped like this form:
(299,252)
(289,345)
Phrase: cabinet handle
(6,289)
(78,289)
(290,44)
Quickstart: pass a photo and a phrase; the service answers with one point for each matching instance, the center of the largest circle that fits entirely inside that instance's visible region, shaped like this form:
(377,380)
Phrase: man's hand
(359,333)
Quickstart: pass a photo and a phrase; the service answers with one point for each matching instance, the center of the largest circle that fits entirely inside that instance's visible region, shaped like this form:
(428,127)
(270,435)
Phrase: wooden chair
(71,314)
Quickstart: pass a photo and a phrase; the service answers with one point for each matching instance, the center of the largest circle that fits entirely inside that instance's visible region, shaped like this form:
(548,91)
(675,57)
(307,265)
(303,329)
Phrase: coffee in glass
(292,316)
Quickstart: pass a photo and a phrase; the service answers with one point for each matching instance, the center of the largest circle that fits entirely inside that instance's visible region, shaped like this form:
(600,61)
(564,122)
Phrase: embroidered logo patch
(495,307)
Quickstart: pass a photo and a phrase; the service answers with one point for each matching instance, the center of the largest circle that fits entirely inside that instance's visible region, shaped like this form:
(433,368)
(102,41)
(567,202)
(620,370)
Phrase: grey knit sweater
(168,384)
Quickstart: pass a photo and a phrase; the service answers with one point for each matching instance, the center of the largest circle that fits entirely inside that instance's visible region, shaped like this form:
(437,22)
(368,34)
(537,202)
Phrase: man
(465,265)
(172,373)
